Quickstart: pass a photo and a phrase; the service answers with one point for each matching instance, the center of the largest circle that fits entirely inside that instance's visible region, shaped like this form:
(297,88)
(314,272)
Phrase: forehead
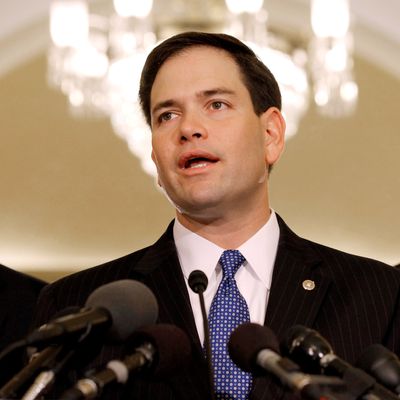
(200,54)
(196,68)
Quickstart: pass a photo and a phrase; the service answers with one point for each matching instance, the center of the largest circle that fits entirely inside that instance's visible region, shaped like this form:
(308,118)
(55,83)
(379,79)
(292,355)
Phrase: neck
(227,231)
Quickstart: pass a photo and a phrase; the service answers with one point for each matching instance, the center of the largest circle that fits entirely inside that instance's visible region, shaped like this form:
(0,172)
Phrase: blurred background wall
(73,195)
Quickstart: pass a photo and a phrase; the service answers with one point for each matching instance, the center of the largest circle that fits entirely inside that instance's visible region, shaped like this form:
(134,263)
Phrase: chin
(202,210)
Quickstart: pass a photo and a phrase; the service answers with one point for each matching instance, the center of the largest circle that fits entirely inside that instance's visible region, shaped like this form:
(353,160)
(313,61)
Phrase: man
(217,129)
(18,294)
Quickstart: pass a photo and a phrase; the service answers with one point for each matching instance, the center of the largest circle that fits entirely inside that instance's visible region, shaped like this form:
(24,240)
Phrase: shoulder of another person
(11,278)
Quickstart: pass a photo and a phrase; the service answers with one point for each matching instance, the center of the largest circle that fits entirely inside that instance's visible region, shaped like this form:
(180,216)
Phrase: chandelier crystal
(99,47)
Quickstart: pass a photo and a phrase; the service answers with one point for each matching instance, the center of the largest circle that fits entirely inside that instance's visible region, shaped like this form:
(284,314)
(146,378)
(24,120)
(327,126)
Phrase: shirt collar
(260,250)
(196,252)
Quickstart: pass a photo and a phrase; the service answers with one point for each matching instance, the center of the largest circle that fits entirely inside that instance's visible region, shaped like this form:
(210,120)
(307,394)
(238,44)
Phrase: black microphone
(198,282)
(160,350)
(117,308)
(17,345)
(36,361)
(70,353)
(312,352)
(254,348)
(383,365)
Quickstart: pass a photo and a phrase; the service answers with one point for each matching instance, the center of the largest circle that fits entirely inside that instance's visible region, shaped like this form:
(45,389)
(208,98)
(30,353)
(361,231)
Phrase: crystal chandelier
(98,49)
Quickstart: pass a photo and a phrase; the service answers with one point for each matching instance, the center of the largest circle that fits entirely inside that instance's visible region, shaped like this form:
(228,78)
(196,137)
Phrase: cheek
(163,159)
(158,150)
(252,138)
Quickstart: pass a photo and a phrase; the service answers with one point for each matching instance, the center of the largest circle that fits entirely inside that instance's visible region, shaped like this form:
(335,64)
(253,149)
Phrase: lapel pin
(308,284)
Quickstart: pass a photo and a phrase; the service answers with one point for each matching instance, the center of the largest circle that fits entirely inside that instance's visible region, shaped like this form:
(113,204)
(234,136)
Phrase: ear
(274,131)
(154,158)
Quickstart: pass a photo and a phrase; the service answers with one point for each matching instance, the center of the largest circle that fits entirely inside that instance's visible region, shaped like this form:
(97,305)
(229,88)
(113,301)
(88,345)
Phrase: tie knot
(230,261)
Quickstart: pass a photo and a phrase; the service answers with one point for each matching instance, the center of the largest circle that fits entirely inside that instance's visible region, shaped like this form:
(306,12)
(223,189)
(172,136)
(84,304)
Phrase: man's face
(209,146)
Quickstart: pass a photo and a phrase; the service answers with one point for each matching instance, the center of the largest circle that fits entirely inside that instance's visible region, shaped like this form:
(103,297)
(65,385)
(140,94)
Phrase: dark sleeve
(18,295)
(45,307)
(392,338)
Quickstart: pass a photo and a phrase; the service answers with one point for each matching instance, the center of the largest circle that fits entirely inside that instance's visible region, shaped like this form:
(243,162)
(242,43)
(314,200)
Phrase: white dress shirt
(253,278)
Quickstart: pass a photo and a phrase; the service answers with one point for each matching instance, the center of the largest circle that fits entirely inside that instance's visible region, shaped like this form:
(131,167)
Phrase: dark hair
(258,79)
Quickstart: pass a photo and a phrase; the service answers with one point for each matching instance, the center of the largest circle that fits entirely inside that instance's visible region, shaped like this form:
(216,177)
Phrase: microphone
(254,348)
(11,388)
(198,282)
(311,351)
(17,345)
(383,365)
(117,308)
(160,350)
(36,362)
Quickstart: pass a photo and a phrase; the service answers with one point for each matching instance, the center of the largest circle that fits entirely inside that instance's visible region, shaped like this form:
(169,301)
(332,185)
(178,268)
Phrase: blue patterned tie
(228,310)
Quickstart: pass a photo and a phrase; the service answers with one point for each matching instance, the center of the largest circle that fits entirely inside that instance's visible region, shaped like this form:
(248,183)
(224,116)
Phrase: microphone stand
(198,283)
(51,367)
(207,346)
(10,389)
(47,376)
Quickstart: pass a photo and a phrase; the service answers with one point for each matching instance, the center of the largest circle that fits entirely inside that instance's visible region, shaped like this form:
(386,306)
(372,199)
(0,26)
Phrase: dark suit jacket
(356,302)
(18,294)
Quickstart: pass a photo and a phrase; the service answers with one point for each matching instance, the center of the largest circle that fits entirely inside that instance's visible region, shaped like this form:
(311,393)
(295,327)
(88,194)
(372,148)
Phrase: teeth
(199,165)
(196,163)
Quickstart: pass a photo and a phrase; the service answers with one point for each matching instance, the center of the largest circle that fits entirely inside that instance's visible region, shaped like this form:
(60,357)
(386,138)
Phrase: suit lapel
(298,284)
(289,302)
(163,274)
(297,292)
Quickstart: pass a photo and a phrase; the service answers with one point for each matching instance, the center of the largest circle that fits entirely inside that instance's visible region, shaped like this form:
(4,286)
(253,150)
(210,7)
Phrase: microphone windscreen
(306,347)
(293,337)
(198,281)
(382,364)
(246,341)
(130,303)
(172,345)
(371,355)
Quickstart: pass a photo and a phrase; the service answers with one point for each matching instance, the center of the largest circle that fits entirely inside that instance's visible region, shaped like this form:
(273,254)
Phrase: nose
(192,128)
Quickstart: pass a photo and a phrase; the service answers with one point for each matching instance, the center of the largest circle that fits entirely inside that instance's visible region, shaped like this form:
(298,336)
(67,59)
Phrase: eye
(218,105)
(166,116)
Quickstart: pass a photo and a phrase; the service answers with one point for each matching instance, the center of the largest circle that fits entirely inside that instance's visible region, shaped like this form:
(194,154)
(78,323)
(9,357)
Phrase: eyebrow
(213,92)
(163,104)
(203,94)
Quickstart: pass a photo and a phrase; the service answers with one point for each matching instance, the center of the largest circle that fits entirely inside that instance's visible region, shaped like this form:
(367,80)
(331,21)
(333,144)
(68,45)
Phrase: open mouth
(197,159)
(198,162)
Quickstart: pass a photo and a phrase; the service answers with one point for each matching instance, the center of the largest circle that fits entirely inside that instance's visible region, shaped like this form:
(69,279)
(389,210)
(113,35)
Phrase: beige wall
(73,195)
